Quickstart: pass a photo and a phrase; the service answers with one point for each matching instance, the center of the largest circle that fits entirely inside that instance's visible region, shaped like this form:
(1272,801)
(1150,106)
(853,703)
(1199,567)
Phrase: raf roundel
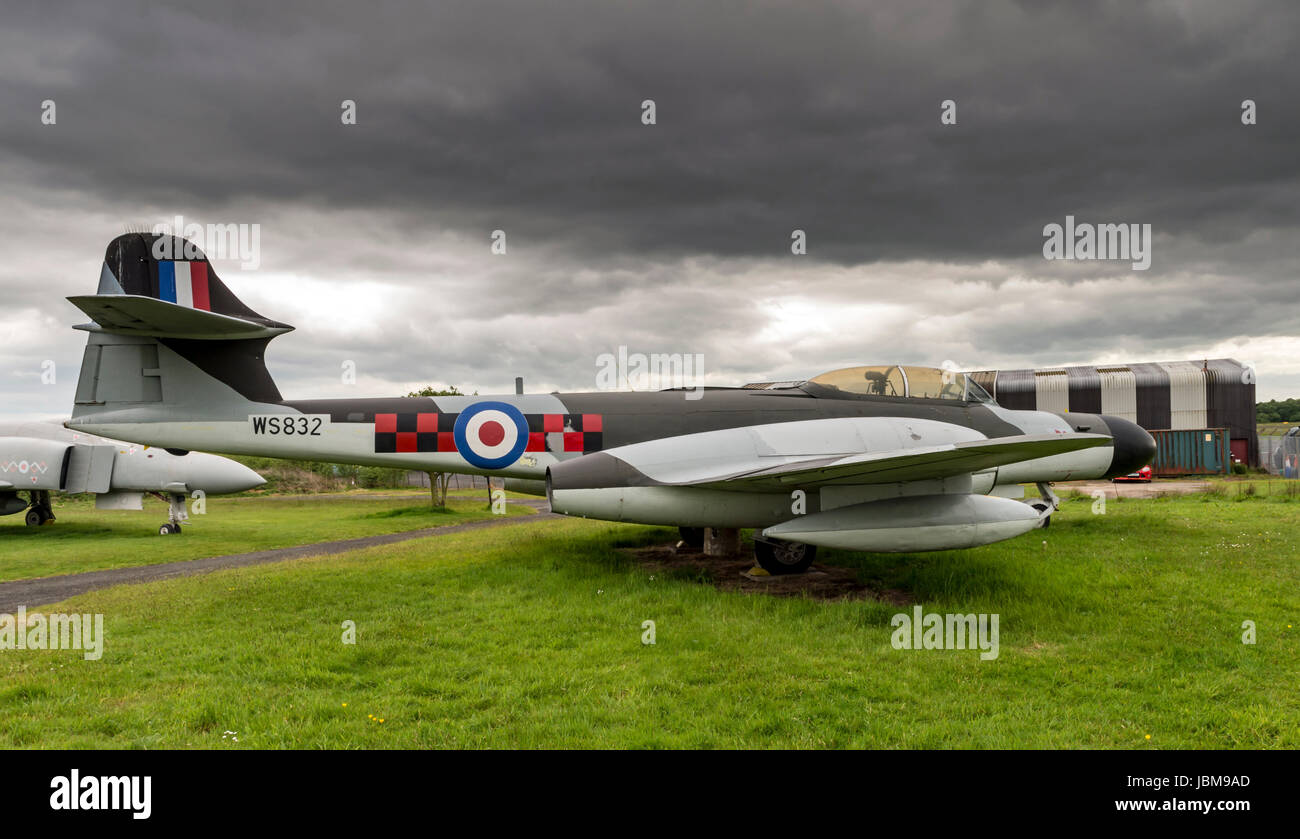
(491,435)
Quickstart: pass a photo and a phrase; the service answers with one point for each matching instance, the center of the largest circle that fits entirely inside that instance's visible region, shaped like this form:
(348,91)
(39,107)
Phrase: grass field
(86,539)
(1123,630)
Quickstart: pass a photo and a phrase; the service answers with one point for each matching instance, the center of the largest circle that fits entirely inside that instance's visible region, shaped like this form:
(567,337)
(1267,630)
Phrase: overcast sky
(924,240)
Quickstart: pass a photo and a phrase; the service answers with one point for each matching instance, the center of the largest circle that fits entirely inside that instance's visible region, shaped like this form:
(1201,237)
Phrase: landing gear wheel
(692,536)
(39,512)
(176,513)
(1043,509)
(777,557)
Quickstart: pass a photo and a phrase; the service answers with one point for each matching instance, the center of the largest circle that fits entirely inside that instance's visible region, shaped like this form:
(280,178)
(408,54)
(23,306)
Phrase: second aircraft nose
(219,475)
(1134,447)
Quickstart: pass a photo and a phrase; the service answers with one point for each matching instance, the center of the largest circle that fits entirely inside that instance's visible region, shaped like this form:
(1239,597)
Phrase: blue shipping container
(1192,451)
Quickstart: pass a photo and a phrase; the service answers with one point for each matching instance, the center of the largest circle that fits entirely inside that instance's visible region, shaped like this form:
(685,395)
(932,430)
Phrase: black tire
(1043,507)
(692,536)
(777,557)
(35,517)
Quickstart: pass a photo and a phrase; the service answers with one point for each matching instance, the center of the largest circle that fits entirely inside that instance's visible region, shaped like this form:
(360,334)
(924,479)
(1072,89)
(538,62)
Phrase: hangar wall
(1166,395)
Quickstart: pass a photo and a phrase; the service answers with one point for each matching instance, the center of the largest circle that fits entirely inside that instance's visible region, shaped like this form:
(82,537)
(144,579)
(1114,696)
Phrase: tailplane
(164,326)
(143,291)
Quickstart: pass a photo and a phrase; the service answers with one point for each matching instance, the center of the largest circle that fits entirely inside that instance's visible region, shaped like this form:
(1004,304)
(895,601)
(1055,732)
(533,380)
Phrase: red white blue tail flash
(184,283)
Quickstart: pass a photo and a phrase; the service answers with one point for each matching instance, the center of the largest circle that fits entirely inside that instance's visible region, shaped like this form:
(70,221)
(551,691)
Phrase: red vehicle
(1143,474)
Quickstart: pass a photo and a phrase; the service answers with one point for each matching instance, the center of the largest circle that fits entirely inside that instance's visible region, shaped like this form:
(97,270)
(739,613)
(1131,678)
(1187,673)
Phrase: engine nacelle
(924,523)
(676,506)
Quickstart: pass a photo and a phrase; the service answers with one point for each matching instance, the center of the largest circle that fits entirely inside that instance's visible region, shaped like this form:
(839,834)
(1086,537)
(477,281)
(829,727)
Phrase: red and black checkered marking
(414,432)
(432,432)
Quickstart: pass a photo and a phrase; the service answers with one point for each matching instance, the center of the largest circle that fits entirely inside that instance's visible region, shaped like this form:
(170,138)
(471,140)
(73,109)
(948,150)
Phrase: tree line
(1285,410)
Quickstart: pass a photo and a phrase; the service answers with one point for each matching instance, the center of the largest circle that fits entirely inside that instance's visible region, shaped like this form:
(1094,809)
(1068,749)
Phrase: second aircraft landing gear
(778,557)
(40,512)
(176,513)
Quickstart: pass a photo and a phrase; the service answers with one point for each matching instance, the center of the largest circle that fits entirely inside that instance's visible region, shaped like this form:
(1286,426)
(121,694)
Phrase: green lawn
(85,539)
(1120,627)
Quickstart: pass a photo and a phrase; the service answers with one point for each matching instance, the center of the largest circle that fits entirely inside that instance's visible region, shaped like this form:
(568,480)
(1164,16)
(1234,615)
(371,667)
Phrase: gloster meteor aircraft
(40,457)
(887,458)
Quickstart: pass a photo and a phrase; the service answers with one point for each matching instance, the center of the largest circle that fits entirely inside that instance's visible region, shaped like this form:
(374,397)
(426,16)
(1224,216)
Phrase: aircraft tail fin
(144,291)
(167,335)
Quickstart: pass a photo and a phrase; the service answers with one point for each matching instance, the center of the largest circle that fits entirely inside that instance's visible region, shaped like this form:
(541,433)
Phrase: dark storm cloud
(924,240)
(771,117)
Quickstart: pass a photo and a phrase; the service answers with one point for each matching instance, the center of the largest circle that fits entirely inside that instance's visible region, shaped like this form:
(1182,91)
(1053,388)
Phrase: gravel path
(1132,489)
(43,590)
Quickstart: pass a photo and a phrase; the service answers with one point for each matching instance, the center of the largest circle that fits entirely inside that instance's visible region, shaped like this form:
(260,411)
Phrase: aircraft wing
(775,457)
(914,464)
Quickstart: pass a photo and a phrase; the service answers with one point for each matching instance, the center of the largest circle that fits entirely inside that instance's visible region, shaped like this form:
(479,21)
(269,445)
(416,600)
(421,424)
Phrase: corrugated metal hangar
(1216,393)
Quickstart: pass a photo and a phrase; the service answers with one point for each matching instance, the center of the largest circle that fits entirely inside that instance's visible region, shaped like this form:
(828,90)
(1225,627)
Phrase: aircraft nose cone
(1134,447)
(220,476)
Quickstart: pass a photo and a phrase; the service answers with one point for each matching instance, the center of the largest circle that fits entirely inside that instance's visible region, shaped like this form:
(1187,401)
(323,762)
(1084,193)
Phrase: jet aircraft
(39,458)
(887,458)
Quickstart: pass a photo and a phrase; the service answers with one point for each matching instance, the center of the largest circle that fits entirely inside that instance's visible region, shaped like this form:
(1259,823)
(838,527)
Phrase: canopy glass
(905,381)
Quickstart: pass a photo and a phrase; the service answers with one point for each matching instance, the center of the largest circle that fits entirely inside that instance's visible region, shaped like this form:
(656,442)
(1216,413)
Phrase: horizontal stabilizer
(128,314)
(164,287)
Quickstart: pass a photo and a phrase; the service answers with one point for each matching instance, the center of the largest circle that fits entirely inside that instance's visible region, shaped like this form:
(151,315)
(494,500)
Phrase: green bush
(308,476)
(375,477)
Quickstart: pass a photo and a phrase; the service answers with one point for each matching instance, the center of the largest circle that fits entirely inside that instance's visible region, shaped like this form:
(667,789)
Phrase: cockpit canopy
(904,381)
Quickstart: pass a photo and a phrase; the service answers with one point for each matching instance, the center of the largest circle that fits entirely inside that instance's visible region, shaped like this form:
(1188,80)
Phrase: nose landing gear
(1048,504)
(176,513)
